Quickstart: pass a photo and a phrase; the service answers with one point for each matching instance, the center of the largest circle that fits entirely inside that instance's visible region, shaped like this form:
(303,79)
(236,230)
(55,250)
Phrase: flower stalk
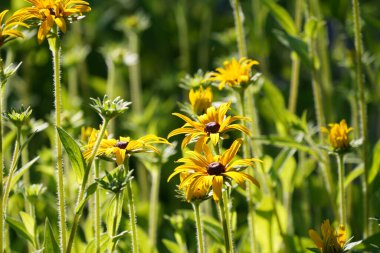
(342,203)
(200,238)
(2,83)
(97,225)
(153,206)
(119,203)
(55,48)
(239,28)
(225,224)
(362,110)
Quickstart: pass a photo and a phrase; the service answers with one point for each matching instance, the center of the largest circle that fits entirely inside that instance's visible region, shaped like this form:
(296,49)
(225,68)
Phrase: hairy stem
(2,83)
(222,213)
(239,28)
(153,206)
(97,225)
(362,111)
(342,203)
(198,222)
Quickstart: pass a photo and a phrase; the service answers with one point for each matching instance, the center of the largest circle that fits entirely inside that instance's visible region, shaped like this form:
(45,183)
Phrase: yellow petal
(217,185)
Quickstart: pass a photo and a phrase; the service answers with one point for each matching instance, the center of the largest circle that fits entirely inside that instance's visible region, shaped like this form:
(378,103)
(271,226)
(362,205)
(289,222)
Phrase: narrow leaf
(282,16)
(75,155)
(22,171)
(20,229)
(50,242)
(104,241)
(29,223)
(375,163)
(90,190)
(353,175)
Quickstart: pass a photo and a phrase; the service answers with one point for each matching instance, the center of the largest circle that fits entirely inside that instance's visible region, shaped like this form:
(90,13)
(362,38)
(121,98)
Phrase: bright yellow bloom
(199,193)
(125,147)
(90,135)
(332,241)
(50,12)
(200,99)
(209,126)
(85,133)
(207,170)
(7,30)
(338,135)
(234,74)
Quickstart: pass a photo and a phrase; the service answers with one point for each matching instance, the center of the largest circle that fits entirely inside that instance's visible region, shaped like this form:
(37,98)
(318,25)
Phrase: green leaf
(75,155)
(22,171)
(172,246)
(282,16)
(353,175)
(373,171)
(104,241)
(91,189)
(29,223)
(20,229)
(314,250)
(50,242)
(295,44)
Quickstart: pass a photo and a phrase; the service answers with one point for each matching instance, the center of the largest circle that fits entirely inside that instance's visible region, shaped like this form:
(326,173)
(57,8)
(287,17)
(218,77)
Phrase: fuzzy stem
(227,208)
(131,208)
(119,199)
(2,83)
(97,225)
(239,28)
(84,183)
(362,110)
(55,48)
(15,158)
(198,222)
(342,205)
(222,214)
(249,197)
(153,206)
(183,35)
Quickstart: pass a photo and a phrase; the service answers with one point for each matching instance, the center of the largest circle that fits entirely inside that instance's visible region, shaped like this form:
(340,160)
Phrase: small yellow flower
(207,171)
(332,241)
(199,193)
(7,29)
(125,147)
(200,99)
(50,12)
(234,74)
(90,135)
(338,135)
(209,126)
(85,133)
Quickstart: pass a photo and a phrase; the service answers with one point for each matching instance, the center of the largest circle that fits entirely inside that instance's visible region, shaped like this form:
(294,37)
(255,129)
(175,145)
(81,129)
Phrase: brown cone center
(215,168)
(121,144)
(212,127)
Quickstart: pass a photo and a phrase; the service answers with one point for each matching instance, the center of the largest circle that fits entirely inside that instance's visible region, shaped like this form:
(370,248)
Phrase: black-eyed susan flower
(125,146)
(338,135)
(332,241)
(7,28)
(48,13)
(200,99)
(235,74)
(206,170)
(208,126)
(199,193)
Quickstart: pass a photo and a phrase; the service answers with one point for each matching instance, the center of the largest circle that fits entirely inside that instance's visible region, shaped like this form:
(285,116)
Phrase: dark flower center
(215,168)
(121,144)
(212,127)
(52,11)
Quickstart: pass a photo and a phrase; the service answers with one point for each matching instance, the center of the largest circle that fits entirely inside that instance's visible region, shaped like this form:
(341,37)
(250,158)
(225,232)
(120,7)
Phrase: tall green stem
(119,202)
(198,222)
(342,202)
(84,183)
(153,205)
(55,47)
(222,214)
(2,84)
(183,35)
(132,212)
(239,28)
(249,197)
(97,224)
(362,110)
(295,64)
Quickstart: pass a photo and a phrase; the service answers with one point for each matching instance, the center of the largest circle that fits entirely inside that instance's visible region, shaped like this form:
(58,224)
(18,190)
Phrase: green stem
(84,183)
(97,224)
(227,208)
(132,212)
(183,35)
(15,159)
(55,47)
(222,214)
(342,203)
(118,197)
(2,83)
(198,222)
(249,197)
(153,206)
(239,28)
(362,111)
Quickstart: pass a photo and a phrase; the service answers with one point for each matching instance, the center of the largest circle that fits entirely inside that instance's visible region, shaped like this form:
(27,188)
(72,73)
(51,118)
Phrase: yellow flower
(332,241)
(200,99)
(50,12)
(234,74)
(85,133)
(209,125)
(199,193)
(7,30)
(207,170)
(125,146)
(338,135)
(90,134)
